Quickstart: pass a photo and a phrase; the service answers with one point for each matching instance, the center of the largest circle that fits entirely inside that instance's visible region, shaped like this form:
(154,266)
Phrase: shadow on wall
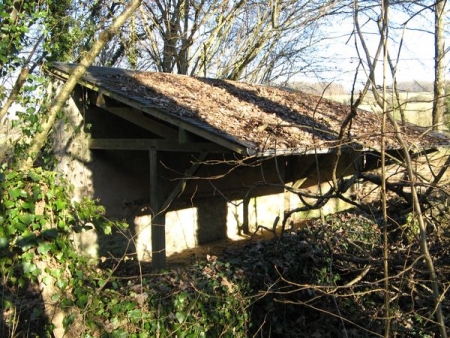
(211,220)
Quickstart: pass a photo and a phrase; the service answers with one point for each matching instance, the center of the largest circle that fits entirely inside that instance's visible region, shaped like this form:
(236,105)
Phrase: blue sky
(416,57)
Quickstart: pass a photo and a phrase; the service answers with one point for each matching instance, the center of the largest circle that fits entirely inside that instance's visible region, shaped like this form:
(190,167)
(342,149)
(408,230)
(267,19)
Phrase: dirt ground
(128,269)
(200,252)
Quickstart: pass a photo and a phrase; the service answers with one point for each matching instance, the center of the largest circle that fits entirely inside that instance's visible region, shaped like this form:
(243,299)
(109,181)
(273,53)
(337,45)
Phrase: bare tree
(408,164)
(434,15)
(235,39)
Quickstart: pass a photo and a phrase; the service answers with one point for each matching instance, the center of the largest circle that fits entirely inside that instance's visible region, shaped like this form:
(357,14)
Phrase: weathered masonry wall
(212,204)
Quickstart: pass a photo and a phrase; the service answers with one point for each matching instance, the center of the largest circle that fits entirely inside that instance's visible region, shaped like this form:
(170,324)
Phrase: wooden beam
(245,223)
(159,215)
(136,117)
(185,136)
(197,128)
(157,144)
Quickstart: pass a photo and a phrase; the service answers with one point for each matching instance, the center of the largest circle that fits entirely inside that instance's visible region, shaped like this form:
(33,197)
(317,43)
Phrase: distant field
(418,106)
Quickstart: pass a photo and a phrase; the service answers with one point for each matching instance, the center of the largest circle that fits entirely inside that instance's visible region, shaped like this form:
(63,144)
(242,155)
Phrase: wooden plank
(245,224)
(159,258)
(157,144)
(159,216)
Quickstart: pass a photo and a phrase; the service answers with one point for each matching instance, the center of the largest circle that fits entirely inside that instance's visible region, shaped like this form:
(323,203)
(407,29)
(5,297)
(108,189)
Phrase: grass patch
(418,106)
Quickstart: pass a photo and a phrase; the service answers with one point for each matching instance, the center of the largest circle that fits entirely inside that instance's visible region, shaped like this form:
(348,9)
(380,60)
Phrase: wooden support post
(245,224)
(159,216)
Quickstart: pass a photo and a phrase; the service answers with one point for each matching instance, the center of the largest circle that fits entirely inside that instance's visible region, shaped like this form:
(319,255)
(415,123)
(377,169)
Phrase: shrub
(37,253)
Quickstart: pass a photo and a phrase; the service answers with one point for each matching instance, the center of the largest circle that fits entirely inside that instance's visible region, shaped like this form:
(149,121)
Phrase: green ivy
(37,218)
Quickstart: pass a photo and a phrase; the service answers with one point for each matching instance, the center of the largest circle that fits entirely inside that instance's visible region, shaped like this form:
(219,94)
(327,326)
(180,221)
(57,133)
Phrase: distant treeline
(319,88)
(416,86)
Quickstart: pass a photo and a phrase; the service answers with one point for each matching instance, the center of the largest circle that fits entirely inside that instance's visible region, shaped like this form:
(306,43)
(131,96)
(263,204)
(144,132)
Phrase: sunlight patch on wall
(262,211)
(181,230)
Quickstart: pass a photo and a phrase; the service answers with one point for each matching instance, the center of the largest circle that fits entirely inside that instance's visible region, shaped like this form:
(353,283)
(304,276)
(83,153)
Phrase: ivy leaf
(8,204)
(26,218)
(61,284)
(28,205)
(11,175)
(27,256)
(20,226)
(180,316)
(35,314)
(12,213)
(82,300)
(16,193)
(60,205)
(3,242)
(48,280)
(182,297)
(44,248)
(27,241)
(34,176)
(56,273)
(135,315)
(29,268)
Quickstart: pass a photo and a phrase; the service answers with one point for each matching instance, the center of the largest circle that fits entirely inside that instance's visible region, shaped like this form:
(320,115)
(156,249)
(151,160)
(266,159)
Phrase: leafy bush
(201,301)
(326,280)
(38,218)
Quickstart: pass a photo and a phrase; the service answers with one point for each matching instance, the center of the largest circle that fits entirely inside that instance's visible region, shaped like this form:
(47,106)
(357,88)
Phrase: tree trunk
(439,65)
(183,60)
(15,92)
(52,309)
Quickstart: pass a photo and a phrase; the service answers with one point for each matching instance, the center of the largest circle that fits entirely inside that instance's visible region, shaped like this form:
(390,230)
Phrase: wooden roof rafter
(226,142)
(136,117)
(157,144)
(171,139)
